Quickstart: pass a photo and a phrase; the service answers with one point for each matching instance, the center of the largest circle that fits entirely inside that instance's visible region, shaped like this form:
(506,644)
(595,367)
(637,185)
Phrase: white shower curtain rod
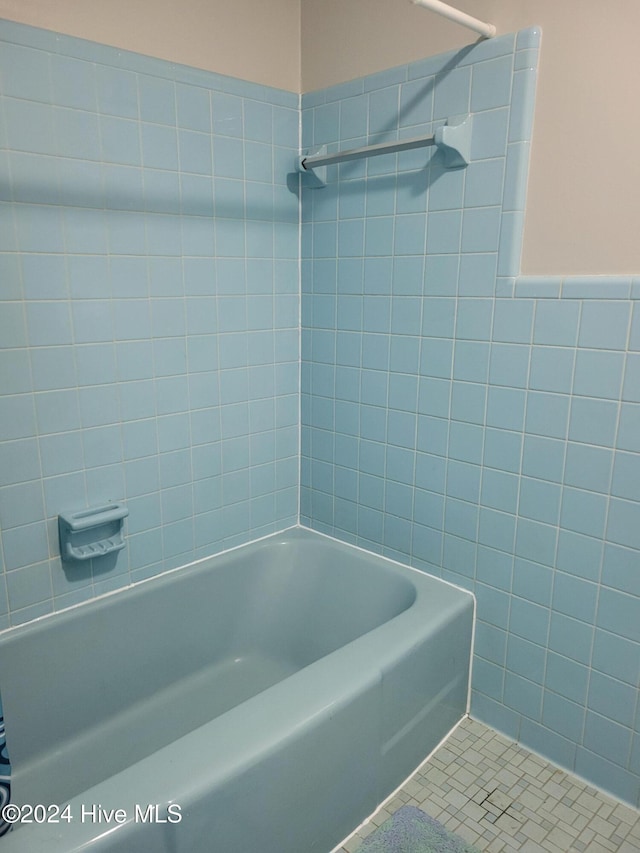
(486,30)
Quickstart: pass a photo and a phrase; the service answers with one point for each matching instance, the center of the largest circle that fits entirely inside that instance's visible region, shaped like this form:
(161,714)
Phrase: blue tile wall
(481,425)
(149,312)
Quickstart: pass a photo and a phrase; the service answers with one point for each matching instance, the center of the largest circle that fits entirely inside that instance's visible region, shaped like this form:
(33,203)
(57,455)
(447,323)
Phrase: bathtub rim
(25,626)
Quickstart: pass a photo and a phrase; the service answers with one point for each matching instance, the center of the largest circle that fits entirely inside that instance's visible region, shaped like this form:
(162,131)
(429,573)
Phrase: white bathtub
(262,701)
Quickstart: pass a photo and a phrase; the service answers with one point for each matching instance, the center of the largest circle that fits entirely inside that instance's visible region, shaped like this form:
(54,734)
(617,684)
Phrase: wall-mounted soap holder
(90,533)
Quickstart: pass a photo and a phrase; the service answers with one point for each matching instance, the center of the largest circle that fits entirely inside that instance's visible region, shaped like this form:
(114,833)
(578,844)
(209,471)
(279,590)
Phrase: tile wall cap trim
(61,44)
(485,51)
(578,286)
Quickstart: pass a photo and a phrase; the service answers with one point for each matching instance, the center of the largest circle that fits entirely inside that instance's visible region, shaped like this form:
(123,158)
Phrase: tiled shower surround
(482,426)
(149,320)
(476,424)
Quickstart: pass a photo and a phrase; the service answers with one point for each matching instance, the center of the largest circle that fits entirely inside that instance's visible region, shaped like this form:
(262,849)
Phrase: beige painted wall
(583,210)
(257,40)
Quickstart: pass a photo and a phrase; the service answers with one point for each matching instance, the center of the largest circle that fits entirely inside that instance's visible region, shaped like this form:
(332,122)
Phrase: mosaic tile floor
(500,797)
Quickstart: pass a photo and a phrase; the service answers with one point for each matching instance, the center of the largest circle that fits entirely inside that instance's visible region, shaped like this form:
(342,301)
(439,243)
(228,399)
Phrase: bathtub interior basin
(288,634)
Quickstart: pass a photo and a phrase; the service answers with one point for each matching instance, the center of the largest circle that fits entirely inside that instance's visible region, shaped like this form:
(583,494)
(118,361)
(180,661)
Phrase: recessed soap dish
(90,533)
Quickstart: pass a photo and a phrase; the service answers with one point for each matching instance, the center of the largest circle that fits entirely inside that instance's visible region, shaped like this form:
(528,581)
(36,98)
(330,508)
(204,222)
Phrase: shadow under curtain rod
(486,30)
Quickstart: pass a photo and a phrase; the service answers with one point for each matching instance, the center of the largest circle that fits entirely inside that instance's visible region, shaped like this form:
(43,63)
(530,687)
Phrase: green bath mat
(410,830)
